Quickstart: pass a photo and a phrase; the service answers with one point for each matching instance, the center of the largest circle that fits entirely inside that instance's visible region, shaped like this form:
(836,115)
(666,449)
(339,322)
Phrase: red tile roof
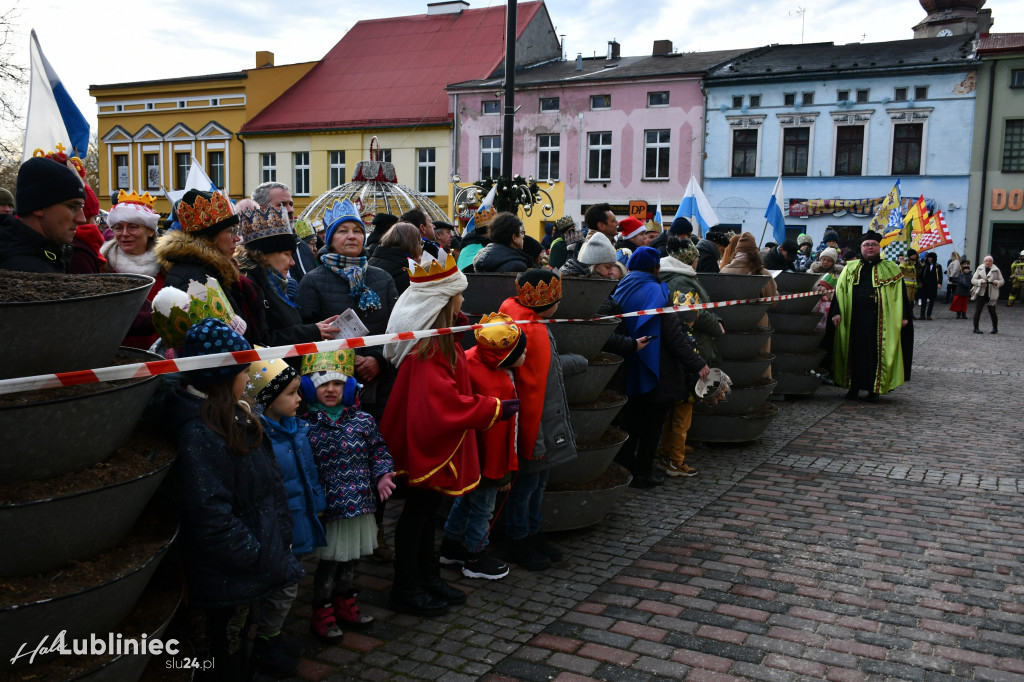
(1001,42)
(388,72)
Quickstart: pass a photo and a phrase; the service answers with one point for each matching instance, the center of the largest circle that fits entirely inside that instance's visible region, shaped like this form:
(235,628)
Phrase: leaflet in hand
(349,325)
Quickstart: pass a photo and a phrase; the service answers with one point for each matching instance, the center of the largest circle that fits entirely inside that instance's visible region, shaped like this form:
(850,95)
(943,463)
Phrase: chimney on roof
(446,7)
(579,61)
(613,49)
(264,58)
(662,48)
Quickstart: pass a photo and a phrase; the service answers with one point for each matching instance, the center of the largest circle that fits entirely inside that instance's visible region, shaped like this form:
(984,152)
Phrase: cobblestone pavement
(855,541)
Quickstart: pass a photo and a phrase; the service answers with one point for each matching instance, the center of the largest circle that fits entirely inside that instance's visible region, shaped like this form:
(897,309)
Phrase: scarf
(333,413)
(127,264)
(642,291)
(417,308)
(280,283)
(352,270)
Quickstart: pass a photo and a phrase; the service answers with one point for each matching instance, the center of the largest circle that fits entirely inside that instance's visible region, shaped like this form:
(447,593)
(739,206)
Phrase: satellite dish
(733,209)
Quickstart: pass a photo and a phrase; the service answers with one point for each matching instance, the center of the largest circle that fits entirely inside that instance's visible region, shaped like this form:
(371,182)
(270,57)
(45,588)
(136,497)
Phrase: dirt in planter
(142,454)
(152,532)
(613,476)
(45,394)
(611,436)
(605,400)
(606,359)
(26,287)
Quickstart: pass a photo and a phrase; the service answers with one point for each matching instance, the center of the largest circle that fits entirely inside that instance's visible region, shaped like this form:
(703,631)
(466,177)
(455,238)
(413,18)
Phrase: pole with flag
(482,210)
(774,216)
(196,179)
(696,208)
(52,119)
(657,215)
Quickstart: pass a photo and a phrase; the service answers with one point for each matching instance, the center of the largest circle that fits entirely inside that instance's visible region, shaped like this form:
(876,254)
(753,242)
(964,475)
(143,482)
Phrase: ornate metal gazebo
(374,189)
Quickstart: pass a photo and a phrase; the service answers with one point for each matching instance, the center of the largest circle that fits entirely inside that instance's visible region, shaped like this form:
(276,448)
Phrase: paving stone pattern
(855,541)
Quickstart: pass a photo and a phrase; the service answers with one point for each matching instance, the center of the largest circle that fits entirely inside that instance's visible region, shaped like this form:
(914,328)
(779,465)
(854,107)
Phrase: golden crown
(541,295)
(690,298)
(498,338)
(134,198)
(268,374)
(342,361)
(204,212)
(431,269)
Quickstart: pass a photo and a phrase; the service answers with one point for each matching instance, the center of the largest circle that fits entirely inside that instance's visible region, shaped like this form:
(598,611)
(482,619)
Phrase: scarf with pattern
(352,269)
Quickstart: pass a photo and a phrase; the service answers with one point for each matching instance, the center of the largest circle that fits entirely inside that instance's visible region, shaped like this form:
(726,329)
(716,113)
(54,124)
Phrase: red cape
(497,445)
(532,377)
(428,422)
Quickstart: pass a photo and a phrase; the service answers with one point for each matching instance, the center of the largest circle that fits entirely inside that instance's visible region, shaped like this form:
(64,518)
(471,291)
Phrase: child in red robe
(497,352)
(428,425)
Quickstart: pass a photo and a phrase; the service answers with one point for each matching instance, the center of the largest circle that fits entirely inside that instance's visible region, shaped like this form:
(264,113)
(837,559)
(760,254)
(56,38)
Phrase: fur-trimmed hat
(205,214)
(597,250)
(131,208)
(209,337)
(539,289)
(266,230)
(267,379)
(630,227)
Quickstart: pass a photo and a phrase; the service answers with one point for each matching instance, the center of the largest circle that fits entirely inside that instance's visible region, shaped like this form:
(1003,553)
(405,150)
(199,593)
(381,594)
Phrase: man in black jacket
(782,256)
(709,251)
(51,204)
(505,252)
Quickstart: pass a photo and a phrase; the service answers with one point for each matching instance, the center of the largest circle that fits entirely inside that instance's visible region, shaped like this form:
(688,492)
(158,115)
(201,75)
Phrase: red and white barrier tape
(142,370)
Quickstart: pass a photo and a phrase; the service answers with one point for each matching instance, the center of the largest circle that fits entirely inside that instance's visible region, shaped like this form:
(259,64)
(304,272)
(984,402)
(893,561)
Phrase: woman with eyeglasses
(133,222)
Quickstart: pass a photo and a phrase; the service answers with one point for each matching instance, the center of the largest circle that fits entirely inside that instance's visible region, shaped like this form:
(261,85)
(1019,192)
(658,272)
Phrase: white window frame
(601,147)
(668,99)
(428,165)
(300,174)
(902,116)
(658,147)
(861,118)
(487,149)
(485,103)
(336,168)
(807,120)
(268,167)
(604,108)
(548,150)
(549,110)
(209,166)
(739,123)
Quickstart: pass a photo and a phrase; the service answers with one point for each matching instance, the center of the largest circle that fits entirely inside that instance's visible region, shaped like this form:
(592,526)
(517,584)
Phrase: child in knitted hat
(351,459)
(497,352)
(236,525)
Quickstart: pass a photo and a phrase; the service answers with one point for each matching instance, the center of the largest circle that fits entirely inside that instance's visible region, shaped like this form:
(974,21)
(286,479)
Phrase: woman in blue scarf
(655,375)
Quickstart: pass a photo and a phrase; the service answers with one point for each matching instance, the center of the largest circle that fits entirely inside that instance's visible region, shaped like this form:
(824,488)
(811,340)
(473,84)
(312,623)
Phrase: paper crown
(690,298)
(205,211)
(652,226)
(498,338)
(431,269)
(131,208)
(303,230)
(342,361)
(267,379)
(174,310)
(339,212)
(266,230)
(538,293)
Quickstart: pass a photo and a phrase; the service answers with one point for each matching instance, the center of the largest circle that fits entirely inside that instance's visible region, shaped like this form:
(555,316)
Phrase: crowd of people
(287,460)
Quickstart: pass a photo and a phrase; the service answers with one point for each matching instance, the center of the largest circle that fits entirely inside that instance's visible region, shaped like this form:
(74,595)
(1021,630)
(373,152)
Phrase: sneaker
(684,470)
(483,566)
(324,624)
(269,656)
(347,613)
(453,553)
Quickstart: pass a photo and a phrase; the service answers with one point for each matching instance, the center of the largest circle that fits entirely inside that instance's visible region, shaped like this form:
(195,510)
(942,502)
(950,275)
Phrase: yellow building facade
(150,130)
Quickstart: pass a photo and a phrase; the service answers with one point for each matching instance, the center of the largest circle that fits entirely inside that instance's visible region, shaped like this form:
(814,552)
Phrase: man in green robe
(874,337)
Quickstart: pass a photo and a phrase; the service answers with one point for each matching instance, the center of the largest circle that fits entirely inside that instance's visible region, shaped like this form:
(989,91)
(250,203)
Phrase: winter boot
(546,548)
(347,613)
(523,553)
(269,656)
(416,601)
(324,624)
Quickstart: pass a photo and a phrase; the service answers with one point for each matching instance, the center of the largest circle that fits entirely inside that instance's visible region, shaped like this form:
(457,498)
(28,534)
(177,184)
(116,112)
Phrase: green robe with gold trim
(872,349)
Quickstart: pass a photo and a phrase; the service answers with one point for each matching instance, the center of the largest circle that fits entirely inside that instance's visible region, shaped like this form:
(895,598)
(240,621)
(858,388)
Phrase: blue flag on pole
(75,123)
(774,214)
(696,208)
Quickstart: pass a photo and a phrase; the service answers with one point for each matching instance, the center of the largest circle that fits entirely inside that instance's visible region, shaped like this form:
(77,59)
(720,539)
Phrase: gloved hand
(508,409)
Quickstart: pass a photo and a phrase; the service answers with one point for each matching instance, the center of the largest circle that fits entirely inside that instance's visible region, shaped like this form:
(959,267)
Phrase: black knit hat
(515,353)
(720,238)
(681,226)
(6,198)
(43,182)
(871,235)
(383,221)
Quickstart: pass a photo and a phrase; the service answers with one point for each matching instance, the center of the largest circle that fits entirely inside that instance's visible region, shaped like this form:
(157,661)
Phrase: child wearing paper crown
(680,415)
(352,459)
(429,423)
(274,385)
(236,528)
(497,352)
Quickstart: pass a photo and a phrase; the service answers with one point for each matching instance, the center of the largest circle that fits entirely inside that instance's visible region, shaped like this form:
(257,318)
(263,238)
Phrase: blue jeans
(522,510)
(469,520)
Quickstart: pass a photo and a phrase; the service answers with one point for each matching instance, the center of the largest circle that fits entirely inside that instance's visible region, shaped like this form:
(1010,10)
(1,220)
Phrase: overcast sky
(103,41)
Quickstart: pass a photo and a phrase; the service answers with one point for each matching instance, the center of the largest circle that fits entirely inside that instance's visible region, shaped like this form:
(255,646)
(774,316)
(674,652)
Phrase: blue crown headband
(339,212)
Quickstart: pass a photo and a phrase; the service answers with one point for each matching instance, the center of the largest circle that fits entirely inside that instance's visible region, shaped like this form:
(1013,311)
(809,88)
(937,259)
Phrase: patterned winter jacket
(351,456)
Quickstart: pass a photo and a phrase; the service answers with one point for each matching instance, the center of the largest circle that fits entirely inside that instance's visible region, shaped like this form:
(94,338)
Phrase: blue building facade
(840,124)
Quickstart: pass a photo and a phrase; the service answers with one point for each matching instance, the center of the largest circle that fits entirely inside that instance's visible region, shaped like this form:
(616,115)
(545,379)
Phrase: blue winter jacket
(298,471)
(235,521)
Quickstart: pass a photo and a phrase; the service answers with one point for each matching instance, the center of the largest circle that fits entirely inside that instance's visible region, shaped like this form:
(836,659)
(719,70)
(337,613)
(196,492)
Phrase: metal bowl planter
(487,291)
(729,287)
(797,362)
(592,461)
(740,400)
(92,426)
(582,296)
(743,345)
(794,324)
(573,509)
(743,317)
(95,609)
(796,343)
(746,372)
(590,422)
(796,384)
(583,338)
(796,282)
(584,388)
(44,535)
(42,337)
(796,306)
(720,428)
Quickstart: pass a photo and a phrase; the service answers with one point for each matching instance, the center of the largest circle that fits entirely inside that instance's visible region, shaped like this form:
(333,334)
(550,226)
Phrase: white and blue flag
(774,215)
(52,119)
(696,208)
(484,208)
